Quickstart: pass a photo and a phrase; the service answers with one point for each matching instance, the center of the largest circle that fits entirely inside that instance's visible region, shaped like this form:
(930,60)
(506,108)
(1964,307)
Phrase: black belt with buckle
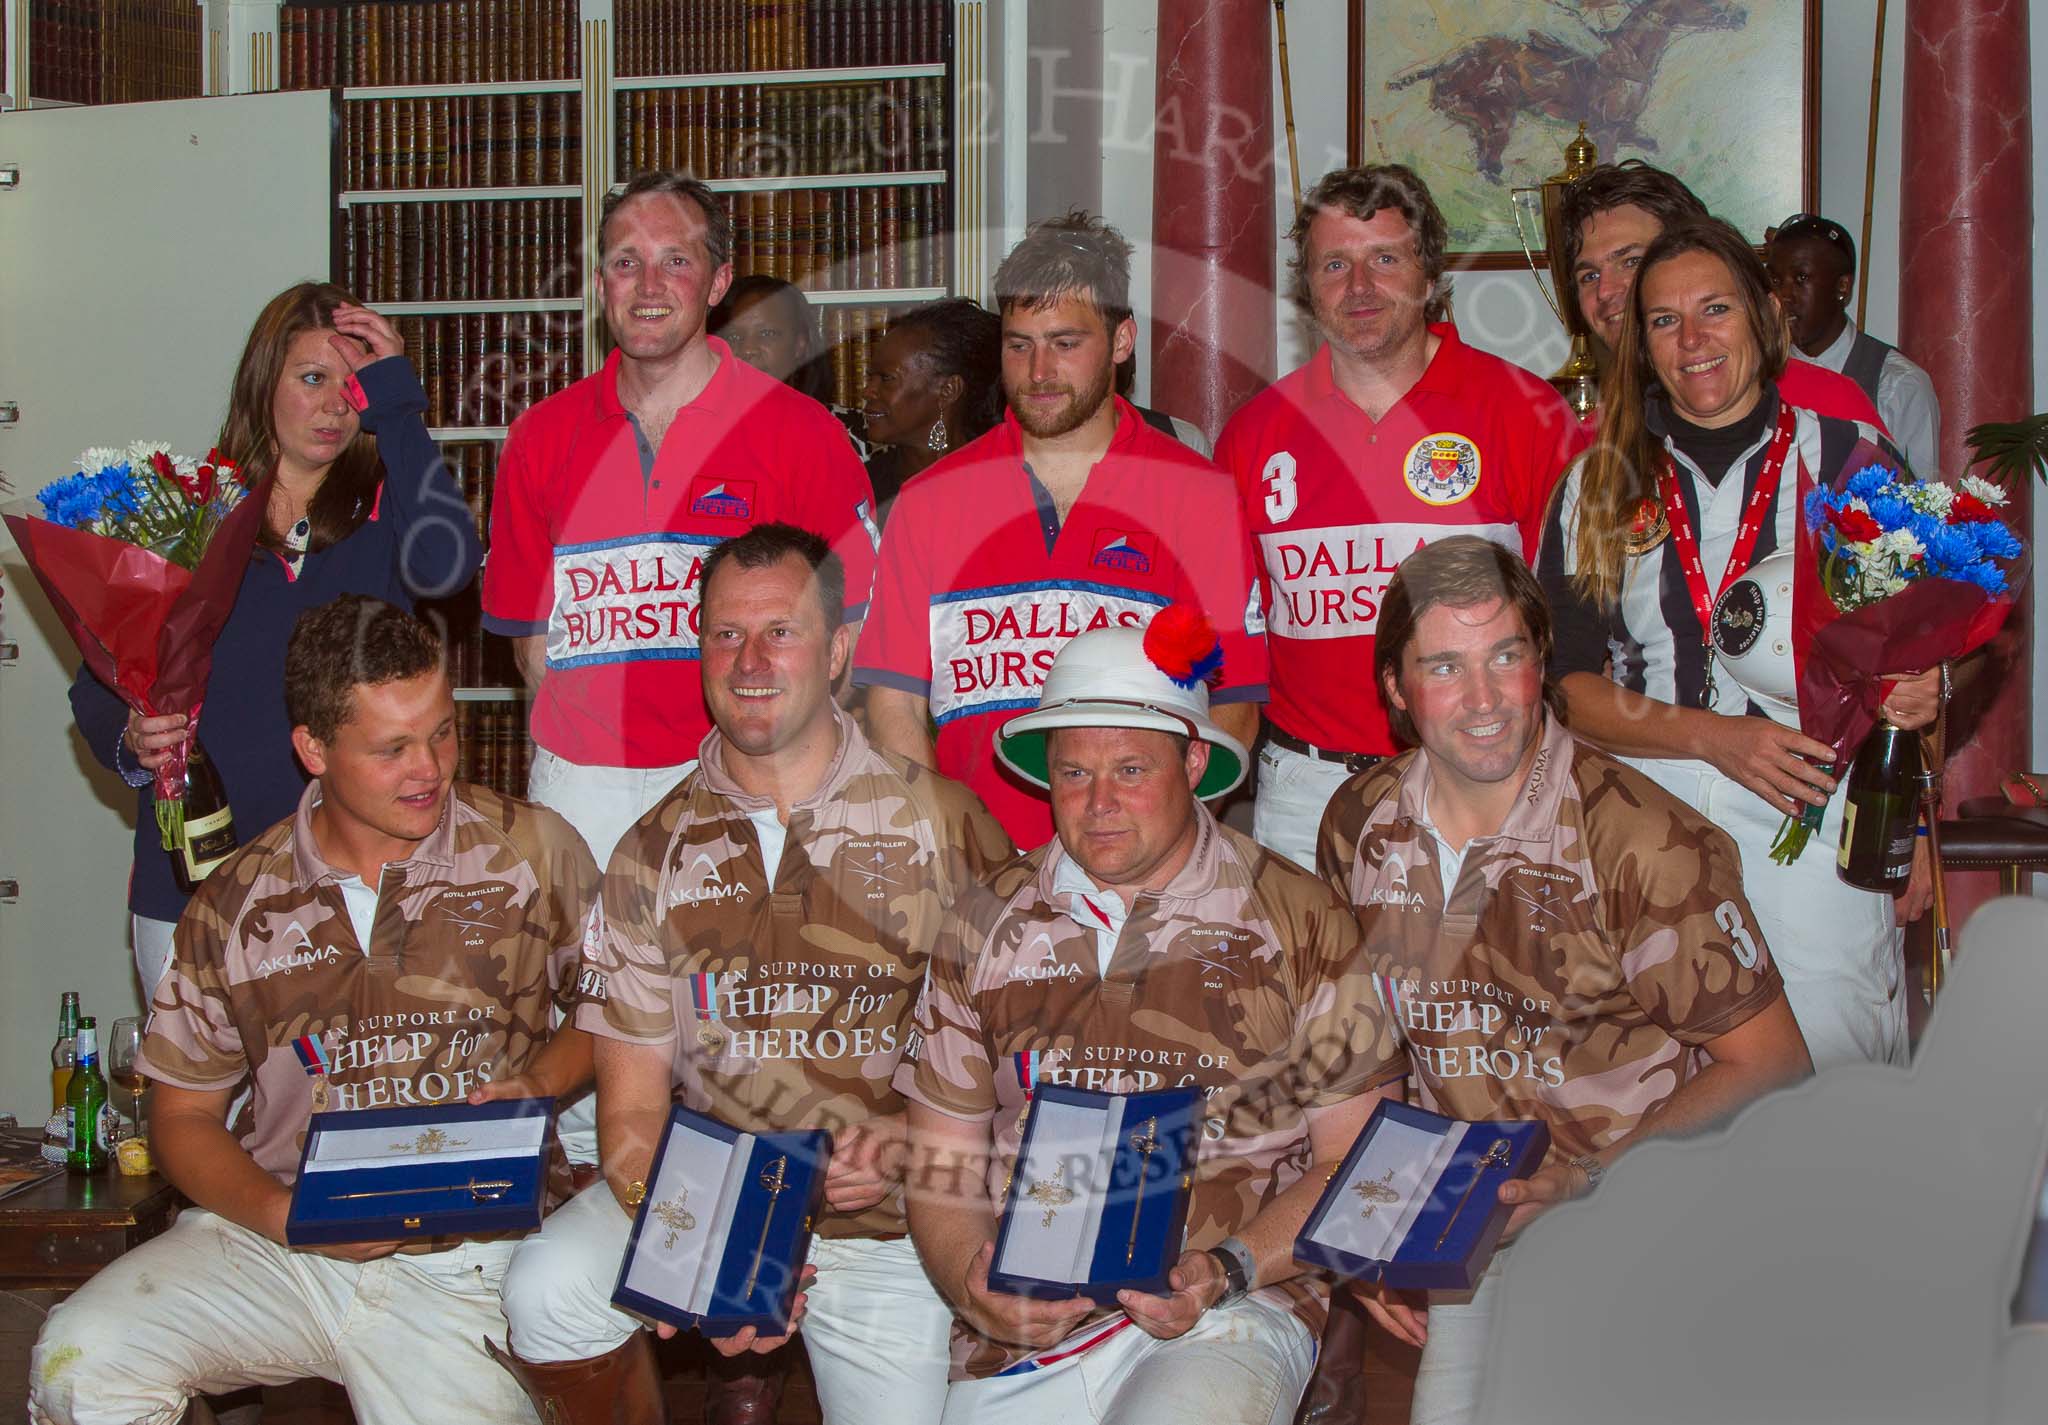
(1351,761)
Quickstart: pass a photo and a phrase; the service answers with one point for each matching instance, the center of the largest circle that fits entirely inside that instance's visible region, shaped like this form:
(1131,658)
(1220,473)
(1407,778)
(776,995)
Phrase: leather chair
(1993,834)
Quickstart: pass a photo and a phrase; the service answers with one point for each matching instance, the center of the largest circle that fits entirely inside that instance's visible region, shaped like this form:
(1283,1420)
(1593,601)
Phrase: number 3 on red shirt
(1281,499)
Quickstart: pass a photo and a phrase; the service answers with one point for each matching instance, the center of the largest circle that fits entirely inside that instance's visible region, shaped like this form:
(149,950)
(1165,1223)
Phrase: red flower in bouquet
(1855,524)
(1968,509)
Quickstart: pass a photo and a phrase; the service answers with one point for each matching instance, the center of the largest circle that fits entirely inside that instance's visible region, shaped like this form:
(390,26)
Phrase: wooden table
(53,1237)
(58,1233)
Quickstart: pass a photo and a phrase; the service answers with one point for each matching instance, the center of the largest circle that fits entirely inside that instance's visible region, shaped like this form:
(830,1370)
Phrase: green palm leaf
(2010,450)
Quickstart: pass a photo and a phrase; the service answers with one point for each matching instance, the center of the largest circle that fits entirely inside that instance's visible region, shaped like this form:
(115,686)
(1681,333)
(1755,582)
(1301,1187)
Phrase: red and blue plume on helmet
(1181,645)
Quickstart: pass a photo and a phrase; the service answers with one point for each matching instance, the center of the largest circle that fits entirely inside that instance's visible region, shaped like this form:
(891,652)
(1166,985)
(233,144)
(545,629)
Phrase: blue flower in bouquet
(70,502)
(119,495)
(1992,538)
(1870,481)
(1894,513)
(1951,551)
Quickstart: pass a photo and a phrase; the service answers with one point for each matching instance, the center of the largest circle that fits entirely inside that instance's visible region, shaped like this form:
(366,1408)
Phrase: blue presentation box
(1098,1198)
(721,1239)
(1416,1203)
(441,1170)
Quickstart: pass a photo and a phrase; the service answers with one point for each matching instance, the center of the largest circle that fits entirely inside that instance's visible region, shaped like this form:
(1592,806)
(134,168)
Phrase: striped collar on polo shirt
(1534,815)
(311,868)
(1192,881)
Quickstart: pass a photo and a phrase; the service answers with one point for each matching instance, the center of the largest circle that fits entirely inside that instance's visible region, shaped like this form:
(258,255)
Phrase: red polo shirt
(1335,501)
(603,558)
(981,584)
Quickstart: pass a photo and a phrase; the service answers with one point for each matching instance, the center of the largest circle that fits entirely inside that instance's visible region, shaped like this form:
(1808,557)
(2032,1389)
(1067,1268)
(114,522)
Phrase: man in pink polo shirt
(1071,515)
(610,494)
(1394,434)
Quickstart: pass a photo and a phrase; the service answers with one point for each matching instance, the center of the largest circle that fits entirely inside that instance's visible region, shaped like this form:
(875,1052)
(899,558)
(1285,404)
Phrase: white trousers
(1840,953)
(602,803)
(1245,1364)
(1287,815)
(875,1328)
(210,1307)
(152,940)
(1448,1379)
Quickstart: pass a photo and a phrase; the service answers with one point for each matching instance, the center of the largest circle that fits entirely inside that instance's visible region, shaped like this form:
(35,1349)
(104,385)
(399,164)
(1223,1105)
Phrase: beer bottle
(85,1104)
(64,1053)
(209,837)
(1881,814)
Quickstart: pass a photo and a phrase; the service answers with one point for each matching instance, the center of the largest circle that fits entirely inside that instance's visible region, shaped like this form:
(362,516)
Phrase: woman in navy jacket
(362,503)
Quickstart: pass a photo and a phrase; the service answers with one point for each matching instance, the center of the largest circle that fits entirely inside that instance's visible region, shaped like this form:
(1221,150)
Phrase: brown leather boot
(1336,1392)
(621,1387)
(745,1390)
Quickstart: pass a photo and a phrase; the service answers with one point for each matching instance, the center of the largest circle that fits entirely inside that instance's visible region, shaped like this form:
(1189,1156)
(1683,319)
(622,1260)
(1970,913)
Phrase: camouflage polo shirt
(1242,977)
(1587,952)
(475,941)
(786,1002)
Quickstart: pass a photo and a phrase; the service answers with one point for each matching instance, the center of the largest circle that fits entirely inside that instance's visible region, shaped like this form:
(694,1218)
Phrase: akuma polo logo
(1123,550)
(711,884)
(723,499)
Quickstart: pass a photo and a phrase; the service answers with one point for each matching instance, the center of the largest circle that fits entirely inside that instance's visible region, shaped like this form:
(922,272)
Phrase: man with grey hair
(1394,434)
(1073,514)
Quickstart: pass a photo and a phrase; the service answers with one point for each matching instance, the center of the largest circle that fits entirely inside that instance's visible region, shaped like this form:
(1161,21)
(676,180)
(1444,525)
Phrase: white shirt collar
(1837,355)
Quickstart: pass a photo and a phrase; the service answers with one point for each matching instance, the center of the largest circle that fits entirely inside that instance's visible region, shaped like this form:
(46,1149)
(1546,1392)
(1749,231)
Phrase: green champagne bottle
(1881,812)
(209,837)
(85,1103)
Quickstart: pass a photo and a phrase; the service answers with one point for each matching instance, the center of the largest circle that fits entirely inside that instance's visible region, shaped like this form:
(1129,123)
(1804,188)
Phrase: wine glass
(124,1047)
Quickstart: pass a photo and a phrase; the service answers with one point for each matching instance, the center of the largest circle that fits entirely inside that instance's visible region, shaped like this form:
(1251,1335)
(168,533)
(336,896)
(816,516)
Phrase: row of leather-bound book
(371,42)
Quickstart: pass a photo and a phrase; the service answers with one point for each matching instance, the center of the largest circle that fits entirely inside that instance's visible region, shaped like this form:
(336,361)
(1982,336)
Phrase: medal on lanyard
(1687,546)
(1647,527)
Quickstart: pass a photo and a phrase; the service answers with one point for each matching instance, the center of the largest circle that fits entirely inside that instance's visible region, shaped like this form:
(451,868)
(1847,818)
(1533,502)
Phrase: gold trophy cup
(1578,380)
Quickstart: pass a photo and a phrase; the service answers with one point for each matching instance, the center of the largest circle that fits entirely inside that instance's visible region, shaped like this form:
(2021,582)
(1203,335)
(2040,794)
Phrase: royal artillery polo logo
(1442,469)
(1123,551)
(723,499)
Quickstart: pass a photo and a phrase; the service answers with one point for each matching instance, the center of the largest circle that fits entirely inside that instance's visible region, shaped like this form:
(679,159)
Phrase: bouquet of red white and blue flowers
(146,496)
(1899,574)
(1881,532)
(141,552)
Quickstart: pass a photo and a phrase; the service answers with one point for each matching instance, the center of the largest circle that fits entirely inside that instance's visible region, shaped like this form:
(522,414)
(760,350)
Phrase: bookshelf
(56,52)
(477,140)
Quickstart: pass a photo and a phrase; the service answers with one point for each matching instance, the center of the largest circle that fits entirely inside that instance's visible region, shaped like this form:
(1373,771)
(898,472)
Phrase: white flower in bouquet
(1990,494)
(1929,496)
(99,457)
(1898,547)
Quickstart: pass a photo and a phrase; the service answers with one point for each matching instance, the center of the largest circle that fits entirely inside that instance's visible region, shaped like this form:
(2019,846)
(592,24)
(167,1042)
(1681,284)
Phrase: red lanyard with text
(1688,546)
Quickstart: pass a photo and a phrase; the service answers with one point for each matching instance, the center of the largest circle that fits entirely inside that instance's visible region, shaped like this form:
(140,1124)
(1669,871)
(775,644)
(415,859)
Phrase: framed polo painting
(1481,96)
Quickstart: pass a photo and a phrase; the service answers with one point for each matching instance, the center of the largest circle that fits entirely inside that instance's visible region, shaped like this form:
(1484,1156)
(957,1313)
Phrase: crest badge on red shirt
(1442,469)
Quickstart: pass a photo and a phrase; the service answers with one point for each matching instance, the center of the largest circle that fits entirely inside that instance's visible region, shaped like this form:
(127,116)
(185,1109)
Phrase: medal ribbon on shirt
(312,1055)
(1688,546)
(704,994)
(1027,1071)
(313,1059)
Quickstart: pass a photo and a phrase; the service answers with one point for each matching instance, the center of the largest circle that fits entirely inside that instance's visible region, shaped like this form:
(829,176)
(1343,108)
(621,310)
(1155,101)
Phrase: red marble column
(1212,209)
(1965,305)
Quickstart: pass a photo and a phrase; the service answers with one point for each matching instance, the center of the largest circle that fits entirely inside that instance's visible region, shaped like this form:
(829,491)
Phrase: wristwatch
(1238,1266)
(1592,1167)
